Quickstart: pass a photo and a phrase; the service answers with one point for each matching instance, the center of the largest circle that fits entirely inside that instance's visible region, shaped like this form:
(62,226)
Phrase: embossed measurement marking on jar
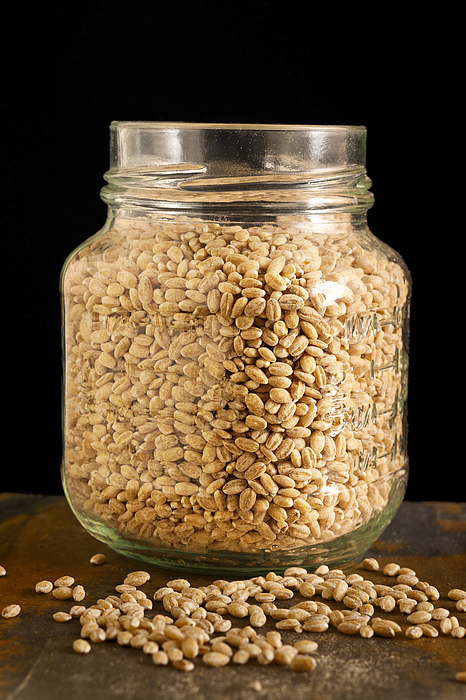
(359,327)
(341,415)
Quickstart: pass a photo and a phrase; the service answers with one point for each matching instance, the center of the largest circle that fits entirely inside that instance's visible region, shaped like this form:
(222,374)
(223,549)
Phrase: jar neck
(238,171)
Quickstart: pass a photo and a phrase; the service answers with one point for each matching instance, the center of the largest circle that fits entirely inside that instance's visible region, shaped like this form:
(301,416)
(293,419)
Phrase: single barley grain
(316,625)
(440,613)
(340,590)
(418,596)
(81,646)
(350,626)
(240,657)
(66,581)
(274,638)
(391,569)
(419,617)
(77,610)
(98,635)
(306,646)
(97,559)
(11,611)
(266,656)
(221,647)
(43,587)
(370,564)
(353,601)
(183,665)
(62,617)
(285,654)
(406,605)
(87,628)
(446,625)
(215,658)
(387,603)
(238,609)
(79,593)
(174,652)
(62,593)
(336,617)
(124,638)
(190,647)
(137,578)
(302,662)
(432,592)
(457,594)
(408,579)
(384,628)
(160,658)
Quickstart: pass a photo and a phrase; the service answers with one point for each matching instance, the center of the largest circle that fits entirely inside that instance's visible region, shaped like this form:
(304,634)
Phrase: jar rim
(186,164)
(234,148)
(235,126)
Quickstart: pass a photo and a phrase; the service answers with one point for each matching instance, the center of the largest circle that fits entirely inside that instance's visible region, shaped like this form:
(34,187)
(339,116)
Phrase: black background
(77,67)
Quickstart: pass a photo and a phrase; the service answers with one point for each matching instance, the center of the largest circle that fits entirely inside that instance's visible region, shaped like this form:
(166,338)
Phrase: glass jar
(235,351)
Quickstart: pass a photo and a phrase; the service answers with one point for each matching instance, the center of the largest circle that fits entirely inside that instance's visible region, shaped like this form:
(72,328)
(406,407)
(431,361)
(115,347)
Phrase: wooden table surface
(41,539)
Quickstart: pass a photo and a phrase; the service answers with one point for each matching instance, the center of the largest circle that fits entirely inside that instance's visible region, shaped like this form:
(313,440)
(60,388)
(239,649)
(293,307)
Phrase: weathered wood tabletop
(41,539)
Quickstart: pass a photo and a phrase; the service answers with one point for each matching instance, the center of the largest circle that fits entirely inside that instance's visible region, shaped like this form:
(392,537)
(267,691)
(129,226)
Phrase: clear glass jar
(235,351)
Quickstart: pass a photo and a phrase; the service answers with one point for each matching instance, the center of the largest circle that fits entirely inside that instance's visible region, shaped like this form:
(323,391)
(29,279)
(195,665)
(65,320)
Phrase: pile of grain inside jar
(212,378)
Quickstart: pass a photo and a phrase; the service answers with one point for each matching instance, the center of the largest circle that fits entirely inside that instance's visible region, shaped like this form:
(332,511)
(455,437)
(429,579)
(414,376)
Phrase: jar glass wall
(235,351)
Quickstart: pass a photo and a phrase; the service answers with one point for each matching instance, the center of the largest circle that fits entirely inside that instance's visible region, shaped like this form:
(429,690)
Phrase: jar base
(334,553)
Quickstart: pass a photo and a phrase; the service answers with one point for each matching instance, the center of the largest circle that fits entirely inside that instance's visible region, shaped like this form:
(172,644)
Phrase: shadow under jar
(235,351)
